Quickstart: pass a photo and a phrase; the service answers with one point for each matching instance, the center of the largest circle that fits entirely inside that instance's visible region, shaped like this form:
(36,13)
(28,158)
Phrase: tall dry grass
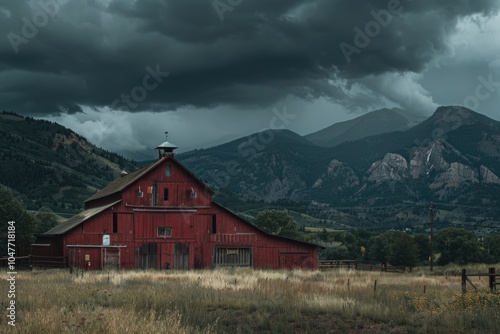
(251,301)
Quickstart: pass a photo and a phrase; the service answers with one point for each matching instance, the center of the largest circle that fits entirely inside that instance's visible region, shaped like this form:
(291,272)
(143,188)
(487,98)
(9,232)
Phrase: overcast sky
(121,72)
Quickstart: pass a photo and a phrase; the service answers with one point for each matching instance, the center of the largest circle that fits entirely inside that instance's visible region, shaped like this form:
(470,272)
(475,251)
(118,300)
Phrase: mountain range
(453,148)
(451,158)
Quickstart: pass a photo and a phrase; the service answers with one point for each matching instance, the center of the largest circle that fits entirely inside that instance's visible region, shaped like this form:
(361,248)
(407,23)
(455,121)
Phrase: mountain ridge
(440,159)
(373,123)
(49,165)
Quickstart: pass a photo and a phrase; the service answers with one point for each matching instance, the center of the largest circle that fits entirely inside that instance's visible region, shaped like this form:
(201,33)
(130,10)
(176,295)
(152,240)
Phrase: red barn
(162,216)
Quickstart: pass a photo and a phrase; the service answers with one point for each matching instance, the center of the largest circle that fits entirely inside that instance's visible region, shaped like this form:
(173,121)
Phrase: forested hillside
(46,164)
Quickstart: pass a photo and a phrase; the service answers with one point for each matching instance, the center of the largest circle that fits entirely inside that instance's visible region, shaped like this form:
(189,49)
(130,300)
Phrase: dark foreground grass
(247,301)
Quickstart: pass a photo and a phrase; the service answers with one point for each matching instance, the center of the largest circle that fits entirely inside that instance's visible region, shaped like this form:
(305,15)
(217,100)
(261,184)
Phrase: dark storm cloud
(96,52)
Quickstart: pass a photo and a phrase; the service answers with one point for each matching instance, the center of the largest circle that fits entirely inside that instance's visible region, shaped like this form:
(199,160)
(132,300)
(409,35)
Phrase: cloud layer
(252,53)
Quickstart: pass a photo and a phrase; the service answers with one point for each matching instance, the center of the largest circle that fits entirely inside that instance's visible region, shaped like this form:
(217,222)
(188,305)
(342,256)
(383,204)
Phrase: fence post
(492,279)
(464,281)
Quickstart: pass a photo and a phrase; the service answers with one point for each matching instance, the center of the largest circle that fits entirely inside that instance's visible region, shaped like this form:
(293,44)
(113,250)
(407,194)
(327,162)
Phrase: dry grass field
(250,301)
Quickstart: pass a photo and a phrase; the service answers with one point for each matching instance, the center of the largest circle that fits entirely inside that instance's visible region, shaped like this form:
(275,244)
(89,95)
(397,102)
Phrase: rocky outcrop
(391,167)
(282,181)
(427,159)
(338,173)
(487,176)
(456,176)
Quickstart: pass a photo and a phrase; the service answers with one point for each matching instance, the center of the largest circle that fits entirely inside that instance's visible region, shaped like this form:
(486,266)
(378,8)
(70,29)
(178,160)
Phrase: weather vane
(166,134)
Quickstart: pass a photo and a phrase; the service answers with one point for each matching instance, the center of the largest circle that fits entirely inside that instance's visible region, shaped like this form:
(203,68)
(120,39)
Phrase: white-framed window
(164,231)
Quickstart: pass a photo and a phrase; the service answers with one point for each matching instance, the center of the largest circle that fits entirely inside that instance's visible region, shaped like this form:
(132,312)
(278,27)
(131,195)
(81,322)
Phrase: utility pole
(431,216)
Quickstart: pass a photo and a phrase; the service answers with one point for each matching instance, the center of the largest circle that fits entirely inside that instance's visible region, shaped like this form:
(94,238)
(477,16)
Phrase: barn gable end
(163,217)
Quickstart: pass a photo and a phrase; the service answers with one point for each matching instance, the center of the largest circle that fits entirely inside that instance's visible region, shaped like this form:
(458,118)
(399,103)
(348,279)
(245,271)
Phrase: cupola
(165,148)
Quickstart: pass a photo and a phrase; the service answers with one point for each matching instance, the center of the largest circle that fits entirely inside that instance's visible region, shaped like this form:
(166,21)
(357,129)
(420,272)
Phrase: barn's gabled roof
(122,182)
(125,181)
(78,219)
(257,228)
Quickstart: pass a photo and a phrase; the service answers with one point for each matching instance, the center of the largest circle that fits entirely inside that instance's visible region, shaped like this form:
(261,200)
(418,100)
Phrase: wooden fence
(492,279)
(329,264)
(356,265)
(32,261)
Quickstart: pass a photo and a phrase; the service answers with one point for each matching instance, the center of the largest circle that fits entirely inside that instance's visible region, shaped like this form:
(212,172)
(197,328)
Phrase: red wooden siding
(180,187)
(201,231)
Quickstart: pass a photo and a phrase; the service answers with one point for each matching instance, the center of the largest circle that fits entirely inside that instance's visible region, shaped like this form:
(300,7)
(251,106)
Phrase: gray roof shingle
(122,182)
(78,219)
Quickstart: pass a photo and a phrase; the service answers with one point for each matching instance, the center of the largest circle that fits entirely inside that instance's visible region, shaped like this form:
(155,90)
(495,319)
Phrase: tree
(12,209)
(277,222)
(337,245)
(379,248)
(397,248)
(332,250)
(491,249)
(422,241)
(45,219)
(457,245)
(404,251)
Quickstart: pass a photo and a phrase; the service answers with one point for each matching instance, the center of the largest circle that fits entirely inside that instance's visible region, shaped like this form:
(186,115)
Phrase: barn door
(111,259)
(198,257)
(295,260)
(181,255)
(148,255)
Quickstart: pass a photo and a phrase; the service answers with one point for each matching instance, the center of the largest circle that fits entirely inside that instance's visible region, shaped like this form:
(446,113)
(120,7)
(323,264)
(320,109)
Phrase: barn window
(115,222)
(164,231)
(167,170)
(154,195)
(233,257)
(214,224)
(165,194)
